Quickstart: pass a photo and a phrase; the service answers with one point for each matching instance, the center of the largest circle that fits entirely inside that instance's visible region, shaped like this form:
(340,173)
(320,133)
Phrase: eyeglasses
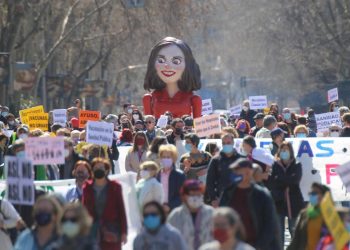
(73,219)
(334,130)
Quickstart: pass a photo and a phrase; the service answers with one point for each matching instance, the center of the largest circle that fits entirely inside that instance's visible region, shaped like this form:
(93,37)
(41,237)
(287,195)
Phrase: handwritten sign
(258,102)
(40,121)
(45,150)
(207,125)
(34,110)
(333,95)
(88,115)
(334,223)
(162,121)
(325,120)
(236,110)
(60,116)
(100,133)
(207,107)
(19,180)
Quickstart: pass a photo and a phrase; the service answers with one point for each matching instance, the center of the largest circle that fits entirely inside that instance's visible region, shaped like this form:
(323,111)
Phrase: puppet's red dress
(183,103)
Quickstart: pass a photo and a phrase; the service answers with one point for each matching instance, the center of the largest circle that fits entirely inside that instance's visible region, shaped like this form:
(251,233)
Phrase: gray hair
(268,120)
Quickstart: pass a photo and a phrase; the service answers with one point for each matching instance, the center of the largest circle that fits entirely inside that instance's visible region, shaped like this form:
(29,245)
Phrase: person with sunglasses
(334,130)
(151,130)
(156,233)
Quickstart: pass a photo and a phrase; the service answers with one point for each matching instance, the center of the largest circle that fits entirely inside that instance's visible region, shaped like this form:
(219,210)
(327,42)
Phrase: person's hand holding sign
(187,164)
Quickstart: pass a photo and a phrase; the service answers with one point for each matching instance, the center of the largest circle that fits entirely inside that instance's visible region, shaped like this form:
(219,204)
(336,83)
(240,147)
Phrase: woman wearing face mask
(170,178)
(81,172)
(104,200)
(136,115)
(156,233)
(43,235)
(334,130)
(148,187)
(308,228)
(193,219)
(333,107)
(285,187)
(75,226)
(301,131)
(228,231)
(243,128)
(137,154)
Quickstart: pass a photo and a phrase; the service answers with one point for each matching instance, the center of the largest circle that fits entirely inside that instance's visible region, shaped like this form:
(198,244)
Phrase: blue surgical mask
(347,226)
(188,147)
(4,114)
(287,116)
(151,222)
(236,178)
(227,149)
(300,135)
(313,199)
(285,155)
(21,154)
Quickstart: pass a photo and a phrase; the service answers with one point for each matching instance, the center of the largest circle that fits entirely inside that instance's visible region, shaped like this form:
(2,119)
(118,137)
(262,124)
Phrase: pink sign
(45,150)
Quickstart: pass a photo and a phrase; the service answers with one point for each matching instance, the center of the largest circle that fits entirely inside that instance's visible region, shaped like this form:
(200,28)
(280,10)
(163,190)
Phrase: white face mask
(66,153)
(245,108)
(22,136)
(334,134)
(136,117)
(195,201)
(145,174)
(70,229)
(243,152)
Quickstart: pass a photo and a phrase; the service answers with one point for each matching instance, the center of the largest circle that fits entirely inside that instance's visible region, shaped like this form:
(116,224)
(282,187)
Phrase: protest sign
(333,95)
(100,133)
(344,173)
(207,107)
(236,110)
(7,132)
(257,102)
(25,112)
(162,121)
(19,180)
(334,223)
(45,150)
(60,116)
(88,115)
(325,120)
(40,121)
(207,125)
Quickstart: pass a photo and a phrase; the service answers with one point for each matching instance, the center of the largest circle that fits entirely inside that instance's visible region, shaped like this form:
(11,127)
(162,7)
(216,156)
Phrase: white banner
(60,116)
(333,95)
(258,102)
(325,120)
(100,133)
(45,150)
(236,110)
(207,107)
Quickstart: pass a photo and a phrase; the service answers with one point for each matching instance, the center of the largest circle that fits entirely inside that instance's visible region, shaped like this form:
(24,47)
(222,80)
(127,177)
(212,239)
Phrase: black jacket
(263,214)
(75,158)
(283,178)
(345,132)
(171,138)
(218,177)
(248,116)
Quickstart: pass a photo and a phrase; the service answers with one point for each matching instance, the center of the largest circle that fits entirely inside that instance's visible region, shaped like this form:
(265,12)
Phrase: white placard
(45,150)
(333,95)
(60,116)
(258,102)
(236,110)
(344,173)
(7,132)
(162,121)
(207,107)
(19,180)
(100,133)
(207,125)
(325,120)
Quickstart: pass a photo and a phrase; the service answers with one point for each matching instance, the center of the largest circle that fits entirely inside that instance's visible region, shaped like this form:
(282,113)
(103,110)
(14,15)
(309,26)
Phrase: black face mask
(43,218)
(125,125)
(178,131)
(99,173)
(81,176)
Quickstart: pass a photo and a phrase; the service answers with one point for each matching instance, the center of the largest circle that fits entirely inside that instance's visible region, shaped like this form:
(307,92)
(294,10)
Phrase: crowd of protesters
(216,198)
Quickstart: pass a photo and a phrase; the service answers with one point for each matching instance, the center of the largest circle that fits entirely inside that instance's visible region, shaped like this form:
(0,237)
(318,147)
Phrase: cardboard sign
(207,107)
(40,121)
(325,120)
(88,115)
(45,150)
(258,102)
(34,110)
(333,95)
(162,121)
(100,133)
(60,116)
(207,125)
(334,223)
(236,110)
(19,180)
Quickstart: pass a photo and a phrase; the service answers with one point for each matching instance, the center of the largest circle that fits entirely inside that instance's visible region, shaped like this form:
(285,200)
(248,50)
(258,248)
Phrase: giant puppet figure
(172,74)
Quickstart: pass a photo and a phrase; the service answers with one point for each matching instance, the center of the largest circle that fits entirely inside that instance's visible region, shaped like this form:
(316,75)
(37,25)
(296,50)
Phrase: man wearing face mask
(4,113)
(247,114)
(193,219)
(218,177)
(177,134)
(70,158)
(254,205)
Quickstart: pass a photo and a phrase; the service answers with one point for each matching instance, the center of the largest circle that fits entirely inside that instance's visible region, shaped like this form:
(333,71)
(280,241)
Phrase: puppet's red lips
(168,73)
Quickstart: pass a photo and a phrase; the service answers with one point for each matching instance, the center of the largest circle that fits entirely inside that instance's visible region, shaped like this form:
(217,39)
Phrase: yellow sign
(334,223)
(24,113)
(266,111)
(40,121)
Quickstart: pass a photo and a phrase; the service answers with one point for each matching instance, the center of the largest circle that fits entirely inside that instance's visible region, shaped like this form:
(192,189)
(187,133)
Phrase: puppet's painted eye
(160,60)
(176,61)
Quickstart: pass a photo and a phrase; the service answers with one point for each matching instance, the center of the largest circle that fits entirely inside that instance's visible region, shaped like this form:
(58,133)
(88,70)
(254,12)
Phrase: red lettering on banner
(330,171)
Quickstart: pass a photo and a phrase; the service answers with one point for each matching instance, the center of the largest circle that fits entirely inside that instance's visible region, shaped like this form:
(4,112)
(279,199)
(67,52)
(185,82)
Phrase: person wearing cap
(277,136)
(334,130)
(139,125)
(193,218)
(259,123)
(74,123)
(247,114)
(255,206)
(151,130)
(269,123)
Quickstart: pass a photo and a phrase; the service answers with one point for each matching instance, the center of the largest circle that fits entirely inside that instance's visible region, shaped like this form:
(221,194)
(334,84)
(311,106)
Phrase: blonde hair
(57,209)
(150,164)
(168,148)
(301,127)
(81,213)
